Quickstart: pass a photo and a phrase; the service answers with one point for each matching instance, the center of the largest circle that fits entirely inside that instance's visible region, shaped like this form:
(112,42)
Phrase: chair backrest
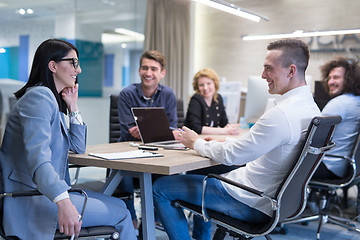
(180,112)
(292,192)
(354,168)
(114,125)
(356,154)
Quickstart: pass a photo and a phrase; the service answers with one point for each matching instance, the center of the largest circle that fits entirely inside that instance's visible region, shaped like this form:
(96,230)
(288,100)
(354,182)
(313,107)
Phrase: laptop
(154,128)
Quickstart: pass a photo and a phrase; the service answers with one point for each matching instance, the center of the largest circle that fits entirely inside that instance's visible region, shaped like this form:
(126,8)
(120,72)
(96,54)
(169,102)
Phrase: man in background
(148,93)
(341,78)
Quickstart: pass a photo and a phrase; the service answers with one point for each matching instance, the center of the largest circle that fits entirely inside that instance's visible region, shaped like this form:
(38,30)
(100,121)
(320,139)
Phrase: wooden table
(173,162)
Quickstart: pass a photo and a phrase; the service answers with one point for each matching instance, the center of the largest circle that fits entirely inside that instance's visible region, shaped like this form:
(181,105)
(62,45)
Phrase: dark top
(199,114)
(132,96)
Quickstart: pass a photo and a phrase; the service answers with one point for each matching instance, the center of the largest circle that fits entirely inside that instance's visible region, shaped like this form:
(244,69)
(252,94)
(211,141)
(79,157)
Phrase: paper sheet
(126,155)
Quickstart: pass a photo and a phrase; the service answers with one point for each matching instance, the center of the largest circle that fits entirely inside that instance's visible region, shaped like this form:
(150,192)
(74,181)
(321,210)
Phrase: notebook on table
(154,128)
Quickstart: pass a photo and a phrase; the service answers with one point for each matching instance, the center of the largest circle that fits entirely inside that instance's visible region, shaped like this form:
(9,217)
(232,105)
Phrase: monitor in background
(256,98)
(231,94)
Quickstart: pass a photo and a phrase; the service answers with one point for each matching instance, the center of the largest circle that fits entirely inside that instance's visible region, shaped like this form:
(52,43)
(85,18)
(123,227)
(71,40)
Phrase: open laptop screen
(153,124)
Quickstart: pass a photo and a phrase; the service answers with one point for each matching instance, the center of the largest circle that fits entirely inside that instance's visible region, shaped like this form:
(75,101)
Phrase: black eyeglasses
(74,61)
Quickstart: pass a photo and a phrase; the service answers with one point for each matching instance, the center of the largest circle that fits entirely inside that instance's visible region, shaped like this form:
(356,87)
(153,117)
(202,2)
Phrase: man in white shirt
(341,78)
(268,150)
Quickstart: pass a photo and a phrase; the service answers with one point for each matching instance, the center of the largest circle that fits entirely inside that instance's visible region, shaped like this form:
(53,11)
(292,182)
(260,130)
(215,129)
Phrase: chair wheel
(283,230)
(279,230)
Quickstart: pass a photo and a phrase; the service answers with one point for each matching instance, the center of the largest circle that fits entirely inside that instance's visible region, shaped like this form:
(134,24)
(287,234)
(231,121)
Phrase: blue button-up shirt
(132,96)
(348,107)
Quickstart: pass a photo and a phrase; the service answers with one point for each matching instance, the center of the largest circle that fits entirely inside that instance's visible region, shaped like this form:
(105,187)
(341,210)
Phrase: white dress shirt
(348,107)
(268,150)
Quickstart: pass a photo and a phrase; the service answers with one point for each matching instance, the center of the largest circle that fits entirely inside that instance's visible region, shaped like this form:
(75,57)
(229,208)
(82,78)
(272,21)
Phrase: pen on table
(179,129)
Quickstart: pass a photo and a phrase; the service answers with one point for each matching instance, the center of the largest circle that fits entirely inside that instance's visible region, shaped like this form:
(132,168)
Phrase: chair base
(221,233)
(324,218)
(226,223)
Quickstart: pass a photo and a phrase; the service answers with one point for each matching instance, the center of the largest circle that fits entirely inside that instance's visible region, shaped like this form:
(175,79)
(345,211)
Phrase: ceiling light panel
(233,9)
(300,33)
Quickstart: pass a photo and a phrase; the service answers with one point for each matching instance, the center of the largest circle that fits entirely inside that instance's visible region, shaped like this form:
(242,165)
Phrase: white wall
(95,113)
(218,42)
(38,30)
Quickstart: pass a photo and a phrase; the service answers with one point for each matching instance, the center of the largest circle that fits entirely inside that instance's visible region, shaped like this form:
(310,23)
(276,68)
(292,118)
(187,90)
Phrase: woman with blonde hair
(206,111)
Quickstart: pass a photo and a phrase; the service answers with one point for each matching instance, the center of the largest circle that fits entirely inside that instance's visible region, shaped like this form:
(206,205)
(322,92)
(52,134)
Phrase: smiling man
(148,93)
(341,78)
(267,151)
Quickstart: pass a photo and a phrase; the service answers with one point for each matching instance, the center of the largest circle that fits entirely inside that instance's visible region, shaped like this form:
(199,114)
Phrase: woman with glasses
(34,154)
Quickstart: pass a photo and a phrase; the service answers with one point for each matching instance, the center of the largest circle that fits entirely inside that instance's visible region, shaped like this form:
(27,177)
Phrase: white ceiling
(107,14)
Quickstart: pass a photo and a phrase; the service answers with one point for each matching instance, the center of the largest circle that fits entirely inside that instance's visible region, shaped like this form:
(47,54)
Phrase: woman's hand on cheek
(70,96)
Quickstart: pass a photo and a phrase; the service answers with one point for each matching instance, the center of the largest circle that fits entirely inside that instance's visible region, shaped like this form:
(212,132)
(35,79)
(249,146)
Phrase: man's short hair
(154,55)
(294,51)
(351,75)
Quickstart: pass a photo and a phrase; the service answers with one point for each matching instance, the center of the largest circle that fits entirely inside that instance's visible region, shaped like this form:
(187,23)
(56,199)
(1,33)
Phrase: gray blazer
(34,155)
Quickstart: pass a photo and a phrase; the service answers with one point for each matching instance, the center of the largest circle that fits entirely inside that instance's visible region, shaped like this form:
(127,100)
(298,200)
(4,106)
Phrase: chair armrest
(36,193)
(205,216)
(21,193)
(236,184)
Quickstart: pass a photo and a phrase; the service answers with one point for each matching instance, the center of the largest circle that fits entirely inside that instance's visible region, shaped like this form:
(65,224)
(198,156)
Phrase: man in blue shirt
(341,78)
(148,93)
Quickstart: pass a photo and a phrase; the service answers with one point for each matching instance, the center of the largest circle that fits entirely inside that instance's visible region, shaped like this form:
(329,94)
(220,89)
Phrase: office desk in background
(173,162)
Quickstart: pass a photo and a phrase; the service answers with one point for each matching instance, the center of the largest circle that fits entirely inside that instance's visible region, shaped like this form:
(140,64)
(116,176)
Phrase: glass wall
(108,34)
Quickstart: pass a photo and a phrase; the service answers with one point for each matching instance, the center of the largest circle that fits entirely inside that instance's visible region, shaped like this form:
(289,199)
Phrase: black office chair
(1,114)
(108,232)
(180,112)
(290,198)
(326,189)
(356,181)
(114,125)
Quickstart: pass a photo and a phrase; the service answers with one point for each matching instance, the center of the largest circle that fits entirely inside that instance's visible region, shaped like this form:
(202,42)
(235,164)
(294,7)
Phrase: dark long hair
(40,74)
